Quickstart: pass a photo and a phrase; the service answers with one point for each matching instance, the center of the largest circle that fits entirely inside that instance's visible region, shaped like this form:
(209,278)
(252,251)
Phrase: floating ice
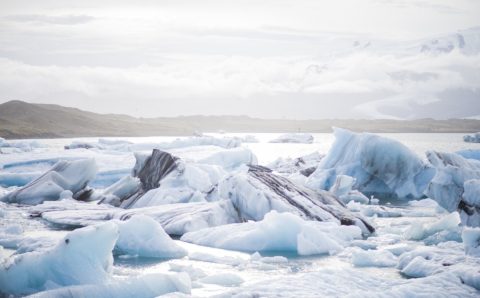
(381,166)
(420,231)
(373,258)
(84,256)
(18,146)
(475,138)
(223,279)
(230,159)
(120,190)
(65,175)
(469,153)
(471,240)
(343,189)
(306,165)
(142,236)
(278,232)
(256,191)
(148,285)
(448,185)
(305,138)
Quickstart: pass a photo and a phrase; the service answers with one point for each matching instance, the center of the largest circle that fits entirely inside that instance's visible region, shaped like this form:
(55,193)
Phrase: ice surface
(448,185)
(64,175)
(11,147)
(223,279)
(305,138)
(381,166)
(74,260)
(470,153)
(278,232)
(142,236)
(148,285)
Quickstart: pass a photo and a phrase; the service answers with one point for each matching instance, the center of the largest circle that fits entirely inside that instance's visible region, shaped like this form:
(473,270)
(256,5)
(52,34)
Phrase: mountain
(20,119)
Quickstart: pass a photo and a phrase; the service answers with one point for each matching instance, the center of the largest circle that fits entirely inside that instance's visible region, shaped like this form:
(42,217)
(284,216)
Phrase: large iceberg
(255,191)
(72,261)
(382,167)
(72,176)
(456,185)
(304,138)
(278,232)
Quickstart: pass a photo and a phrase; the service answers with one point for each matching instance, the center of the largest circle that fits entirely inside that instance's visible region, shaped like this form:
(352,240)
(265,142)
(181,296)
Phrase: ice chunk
(471,193)
(471,241)
(305,165)
(119,191)
(420,231)
(148,285)
(232,158)
(18,146)
(142,236)
(373,258)
(257,191)
(448,185)
(166,179)
(278,232)
(343,189)
(65,175)
(74,260)
(381,166)
(305,138)
(420,267)
(475,138)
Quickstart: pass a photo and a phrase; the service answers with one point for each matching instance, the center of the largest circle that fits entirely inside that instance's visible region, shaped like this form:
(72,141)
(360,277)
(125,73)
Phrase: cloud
(50,19)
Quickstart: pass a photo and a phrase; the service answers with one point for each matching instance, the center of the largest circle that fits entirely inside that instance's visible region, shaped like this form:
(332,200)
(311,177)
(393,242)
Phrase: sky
(296,59)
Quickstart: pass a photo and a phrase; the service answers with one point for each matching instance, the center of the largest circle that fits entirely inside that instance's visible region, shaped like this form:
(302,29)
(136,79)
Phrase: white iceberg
(64,175)
(304,138)
(72,261)
(142,236)
(382,167)
(278,232)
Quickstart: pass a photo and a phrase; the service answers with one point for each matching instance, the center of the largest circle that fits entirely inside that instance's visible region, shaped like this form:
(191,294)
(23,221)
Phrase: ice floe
(305,138)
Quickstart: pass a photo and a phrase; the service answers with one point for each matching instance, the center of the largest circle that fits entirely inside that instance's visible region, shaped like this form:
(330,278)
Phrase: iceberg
(304,138)
(278,232)
(475,138)
(72,261)
(456,185)
(471,241)
(63,176)
(381,166)
(343,189)
(231,159)
(255,191)
(142,236)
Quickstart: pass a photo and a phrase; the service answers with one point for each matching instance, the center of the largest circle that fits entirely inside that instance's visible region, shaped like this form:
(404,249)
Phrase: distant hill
(20,119)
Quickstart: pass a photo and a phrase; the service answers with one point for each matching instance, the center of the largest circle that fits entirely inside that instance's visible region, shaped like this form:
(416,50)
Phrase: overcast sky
(270,59)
